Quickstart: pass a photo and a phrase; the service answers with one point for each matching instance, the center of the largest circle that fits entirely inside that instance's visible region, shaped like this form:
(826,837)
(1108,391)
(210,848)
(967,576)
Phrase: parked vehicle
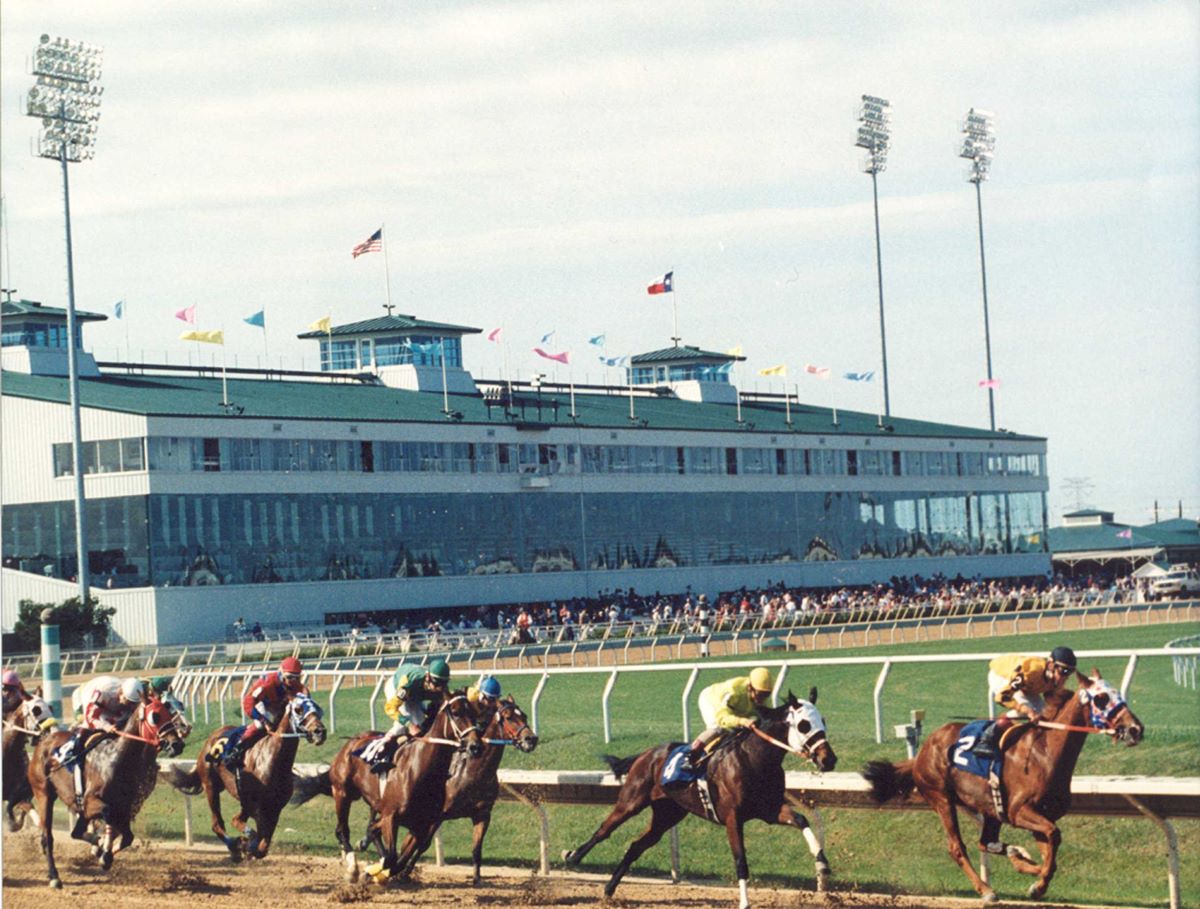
(1179,581)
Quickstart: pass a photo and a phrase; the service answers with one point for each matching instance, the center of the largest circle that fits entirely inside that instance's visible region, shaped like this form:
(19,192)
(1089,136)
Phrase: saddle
(963,758)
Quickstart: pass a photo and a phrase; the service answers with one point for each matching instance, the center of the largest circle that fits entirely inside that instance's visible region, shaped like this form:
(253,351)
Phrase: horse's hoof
(106,860)
(96,850)
(55,884)
(1018,852)
(989,897)
(568,856)
(823,881)
(1036,891)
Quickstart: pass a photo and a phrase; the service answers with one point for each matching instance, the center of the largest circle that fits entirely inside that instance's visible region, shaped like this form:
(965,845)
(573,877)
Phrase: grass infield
(1106,861)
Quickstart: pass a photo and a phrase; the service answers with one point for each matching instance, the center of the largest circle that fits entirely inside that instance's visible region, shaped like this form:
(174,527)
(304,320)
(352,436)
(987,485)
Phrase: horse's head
(1107,709)
(514,725)
(304,716)
(163,726)
(36,716)
(462,723)
(806,732)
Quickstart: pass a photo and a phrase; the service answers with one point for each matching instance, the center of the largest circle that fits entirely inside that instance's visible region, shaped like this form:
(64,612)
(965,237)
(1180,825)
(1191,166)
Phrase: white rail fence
(203,689)
(1157,798)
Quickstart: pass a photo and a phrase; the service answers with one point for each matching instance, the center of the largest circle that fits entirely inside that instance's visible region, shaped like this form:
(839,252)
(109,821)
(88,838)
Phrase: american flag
(373,243)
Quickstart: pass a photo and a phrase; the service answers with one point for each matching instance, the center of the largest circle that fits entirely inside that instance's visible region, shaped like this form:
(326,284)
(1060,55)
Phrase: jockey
(14,692)
(106,702)
(731,704)
(485,694)
(264,703)
(1018,683)
(414,688)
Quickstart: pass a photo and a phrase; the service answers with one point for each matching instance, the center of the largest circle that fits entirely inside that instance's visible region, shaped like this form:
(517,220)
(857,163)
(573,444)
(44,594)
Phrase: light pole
(979,141)
(874,134)
(66,97)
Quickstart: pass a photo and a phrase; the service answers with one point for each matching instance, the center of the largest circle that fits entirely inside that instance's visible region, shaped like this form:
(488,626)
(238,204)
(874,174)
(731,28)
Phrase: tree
(76,621)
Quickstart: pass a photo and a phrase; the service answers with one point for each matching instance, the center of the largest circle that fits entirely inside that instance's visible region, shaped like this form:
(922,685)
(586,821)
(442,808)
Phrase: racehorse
(411,794)
(745,782)
(116,777)
(24,724)
(262,785)
(1035,780)
(473,785)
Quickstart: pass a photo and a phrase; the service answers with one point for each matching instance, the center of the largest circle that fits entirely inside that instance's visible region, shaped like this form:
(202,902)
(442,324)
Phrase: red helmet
(11,679)
(291,666)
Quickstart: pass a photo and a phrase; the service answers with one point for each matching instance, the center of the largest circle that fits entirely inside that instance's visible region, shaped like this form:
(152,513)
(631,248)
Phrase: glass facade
(39,334)
(360,353)
(655,375)
(171,540)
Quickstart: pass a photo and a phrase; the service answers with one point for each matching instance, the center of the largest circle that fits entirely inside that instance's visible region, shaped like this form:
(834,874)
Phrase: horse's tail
(186,781)
(888,780)
(308,786)
(619,766)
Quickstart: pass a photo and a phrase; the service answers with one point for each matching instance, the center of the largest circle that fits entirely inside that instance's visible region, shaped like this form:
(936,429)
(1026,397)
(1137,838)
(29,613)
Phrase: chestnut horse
(262,785)
(474,786)
(745,782)
(1035,780)
(118,775)
(410,794)
(25,724)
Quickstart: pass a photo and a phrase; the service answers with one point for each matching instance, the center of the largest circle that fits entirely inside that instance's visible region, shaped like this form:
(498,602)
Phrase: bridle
(299,709)
(510,731)
(460,733)
(812,736)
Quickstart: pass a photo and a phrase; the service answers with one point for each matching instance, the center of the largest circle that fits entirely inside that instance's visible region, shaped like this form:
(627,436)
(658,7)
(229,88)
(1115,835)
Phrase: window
(212,455)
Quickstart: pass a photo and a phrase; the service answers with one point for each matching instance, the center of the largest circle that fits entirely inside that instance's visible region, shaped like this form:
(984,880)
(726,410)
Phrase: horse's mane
(1058,699)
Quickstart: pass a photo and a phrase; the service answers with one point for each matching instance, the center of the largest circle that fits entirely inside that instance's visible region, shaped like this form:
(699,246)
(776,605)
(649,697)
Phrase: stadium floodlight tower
(874,134)
(66,97)
(979,142)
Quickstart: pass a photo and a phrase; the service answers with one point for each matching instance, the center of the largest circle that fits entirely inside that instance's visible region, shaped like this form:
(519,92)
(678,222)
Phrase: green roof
(11,308)
(390,324)
(1175,533)
(684,353)
(356,402)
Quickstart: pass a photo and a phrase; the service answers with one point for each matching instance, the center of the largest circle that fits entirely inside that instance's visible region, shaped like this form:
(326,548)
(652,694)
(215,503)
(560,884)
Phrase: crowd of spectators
(777,603)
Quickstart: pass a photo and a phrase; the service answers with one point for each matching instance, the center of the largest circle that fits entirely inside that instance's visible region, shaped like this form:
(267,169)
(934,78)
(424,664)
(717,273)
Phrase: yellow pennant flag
(780,370)
(1035,538)
(735,351)
(208,337)
(322,324)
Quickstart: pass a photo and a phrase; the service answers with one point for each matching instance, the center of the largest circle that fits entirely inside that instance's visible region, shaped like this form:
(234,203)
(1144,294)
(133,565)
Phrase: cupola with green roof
(688,372)
(33,339)
(404,351)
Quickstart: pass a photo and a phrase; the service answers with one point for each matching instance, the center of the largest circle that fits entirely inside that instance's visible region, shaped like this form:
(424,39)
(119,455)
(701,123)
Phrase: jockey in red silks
(14,692)
(264,703)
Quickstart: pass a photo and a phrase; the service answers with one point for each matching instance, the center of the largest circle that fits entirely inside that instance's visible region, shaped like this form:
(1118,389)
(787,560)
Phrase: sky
(535,165)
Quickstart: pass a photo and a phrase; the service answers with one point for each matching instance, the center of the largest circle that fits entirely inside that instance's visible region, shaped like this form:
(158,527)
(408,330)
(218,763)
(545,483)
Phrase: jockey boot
(238,745)
(381,760)
(988,746)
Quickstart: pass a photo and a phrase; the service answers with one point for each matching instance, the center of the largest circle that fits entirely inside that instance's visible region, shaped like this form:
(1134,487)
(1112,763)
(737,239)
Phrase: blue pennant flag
(859,376)
(258,319)
(119,309)
(546,337)
(598,340)
(614,361)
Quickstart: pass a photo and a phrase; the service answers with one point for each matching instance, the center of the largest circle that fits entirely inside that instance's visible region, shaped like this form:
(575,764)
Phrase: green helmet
(160,684)
(439,669)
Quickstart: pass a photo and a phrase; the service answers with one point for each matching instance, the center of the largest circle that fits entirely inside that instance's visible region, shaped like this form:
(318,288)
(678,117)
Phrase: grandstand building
(393,479)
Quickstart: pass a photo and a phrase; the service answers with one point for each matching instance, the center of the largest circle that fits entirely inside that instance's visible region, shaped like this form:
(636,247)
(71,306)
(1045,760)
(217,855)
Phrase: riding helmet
(761,680)
(1064,656)
(439,669)
(291,666)
(131,689)
(11,679)
(489,686)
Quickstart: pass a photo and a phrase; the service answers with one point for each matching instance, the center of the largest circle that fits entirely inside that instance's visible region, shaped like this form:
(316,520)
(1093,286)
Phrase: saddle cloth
(676,771)
(963,758)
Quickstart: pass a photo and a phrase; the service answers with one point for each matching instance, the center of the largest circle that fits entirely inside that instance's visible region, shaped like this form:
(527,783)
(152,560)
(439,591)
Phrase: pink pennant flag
(558,357)
(821,372)
(989,383)
(1126,534)
(187,314)
(494,335)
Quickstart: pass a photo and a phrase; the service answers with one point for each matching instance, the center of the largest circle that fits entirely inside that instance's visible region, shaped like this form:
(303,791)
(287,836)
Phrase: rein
(8,724)
(1064,727)
(799,752)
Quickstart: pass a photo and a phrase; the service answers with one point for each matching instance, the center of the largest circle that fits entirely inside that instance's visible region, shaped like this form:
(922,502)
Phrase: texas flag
(663,285)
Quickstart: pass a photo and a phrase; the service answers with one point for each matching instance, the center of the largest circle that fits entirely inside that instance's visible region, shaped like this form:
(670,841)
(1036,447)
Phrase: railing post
(687,691)
(608,687)
(878,698)
(182,657)
(533,703)
(1173,897)
(544,830)
(374,696)
(208,687)
(333,690)
(778,684)
(223,694)
(1127,679)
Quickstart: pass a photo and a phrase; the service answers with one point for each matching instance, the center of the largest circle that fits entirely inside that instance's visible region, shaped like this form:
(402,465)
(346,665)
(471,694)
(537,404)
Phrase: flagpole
(675,313)
(125,319)
(445,393)
(224,381)
(787,404)
(266,350)
(571,379)
(387,272)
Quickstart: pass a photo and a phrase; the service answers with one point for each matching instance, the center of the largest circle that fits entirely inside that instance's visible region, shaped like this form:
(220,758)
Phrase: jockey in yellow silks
(729,705)
(1019,683)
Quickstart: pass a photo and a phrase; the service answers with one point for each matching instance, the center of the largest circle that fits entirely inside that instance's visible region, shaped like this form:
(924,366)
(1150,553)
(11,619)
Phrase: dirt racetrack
(158,875)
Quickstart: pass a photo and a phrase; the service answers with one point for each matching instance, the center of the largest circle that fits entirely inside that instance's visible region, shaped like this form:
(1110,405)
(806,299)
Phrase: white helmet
(131,690)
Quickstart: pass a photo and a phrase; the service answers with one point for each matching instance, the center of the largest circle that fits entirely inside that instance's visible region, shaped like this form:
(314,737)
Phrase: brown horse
(474,786)
(116,778)
(411,794)
(262,785)
(745,782)
(1036,778)
(24,725)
